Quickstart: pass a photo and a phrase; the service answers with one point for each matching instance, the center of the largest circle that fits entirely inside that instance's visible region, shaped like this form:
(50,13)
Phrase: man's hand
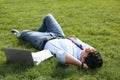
(85,66)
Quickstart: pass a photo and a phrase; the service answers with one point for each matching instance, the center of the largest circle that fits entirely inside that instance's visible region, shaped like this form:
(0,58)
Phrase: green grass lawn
(97,22)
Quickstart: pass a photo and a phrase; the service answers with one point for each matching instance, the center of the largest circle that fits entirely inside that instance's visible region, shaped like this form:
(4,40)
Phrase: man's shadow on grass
(64,71)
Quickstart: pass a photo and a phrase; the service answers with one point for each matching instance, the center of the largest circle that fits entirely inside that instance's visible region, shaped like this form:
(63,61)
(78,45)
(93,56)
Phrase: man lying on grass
(71,50)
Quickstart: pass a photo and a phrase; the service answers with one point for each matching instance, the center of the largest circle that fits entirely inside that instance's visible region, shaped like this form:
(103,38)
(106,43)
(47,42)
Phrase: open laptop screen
(18,56)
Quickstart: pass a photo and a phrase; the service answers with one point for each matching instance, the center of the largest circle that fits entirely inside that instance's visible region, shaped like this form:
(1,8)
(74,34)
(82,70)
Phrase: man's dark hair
(94,60)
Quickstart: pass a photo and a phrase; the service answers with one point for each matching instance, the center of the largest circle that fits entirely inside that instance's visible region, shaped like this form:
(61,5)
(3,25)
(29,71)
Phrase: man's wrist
(82,64)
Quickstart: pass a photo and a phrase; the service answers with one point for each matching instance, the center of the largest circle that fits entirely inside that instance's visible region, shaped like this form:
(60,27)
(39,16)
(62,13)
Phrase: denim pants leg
(49,28)
(51,25)
(37,39)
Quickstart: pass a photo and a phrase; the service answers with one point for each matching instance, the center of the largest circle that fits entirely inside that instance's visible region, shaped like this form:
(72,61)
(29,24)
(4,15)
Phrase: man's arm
(69,59)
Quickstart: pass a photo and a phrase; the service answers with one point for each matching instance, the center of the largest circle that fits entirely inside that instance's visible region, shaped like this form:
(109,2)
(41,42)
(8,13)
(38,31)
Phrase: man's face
(85,53)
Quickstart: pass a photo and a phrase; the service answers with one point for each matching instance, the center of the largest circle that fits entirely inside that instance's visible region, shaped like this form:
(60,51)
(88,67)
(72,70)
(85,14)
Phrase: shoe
(15,32)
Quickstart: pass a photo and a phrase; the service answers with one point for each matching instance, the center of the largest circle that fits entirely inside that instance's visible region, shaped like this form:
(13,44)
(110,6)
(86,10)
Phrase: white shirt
(60,47)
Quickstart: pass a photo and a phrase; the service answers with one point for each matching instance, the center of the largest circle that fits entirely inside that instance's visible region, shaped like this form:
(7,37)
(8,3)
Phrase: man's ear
(85,50)
(92,50)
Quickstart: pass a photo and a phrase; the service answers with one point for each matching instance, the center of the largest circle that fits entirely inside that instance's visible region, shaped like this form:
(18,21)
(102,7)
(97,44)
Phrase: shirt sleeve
(57,51)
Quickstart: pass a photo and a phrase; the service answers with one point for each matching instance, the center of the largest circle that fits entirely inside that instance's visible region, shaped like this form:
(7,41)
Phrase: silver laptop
(18,56)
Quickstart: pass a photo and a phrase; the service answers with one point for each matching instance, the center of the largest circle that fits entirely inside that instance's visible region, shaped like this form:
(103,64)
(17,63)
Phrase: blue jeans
(49,29)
